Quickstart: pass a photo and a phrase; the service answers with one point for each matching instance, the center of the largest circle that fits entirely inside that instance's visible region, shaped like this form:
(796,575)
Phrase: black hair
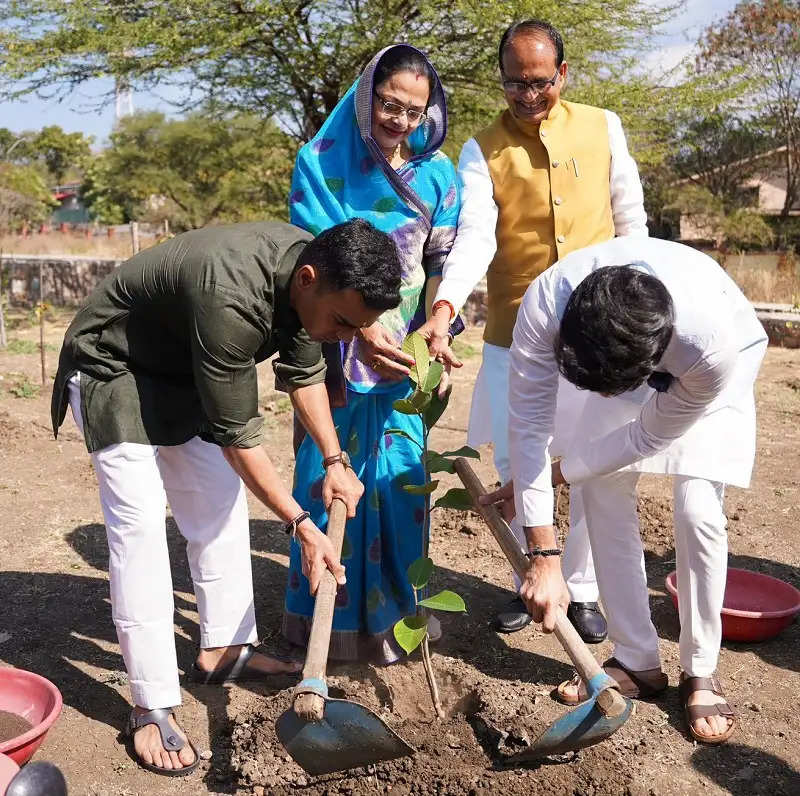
(403,59)
(535,26)
(615,329)
(355,255)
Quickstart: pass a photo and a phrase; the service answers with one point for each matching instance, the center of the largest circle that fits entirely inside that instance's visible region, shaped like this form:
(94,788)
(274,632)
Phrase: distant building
(765,191)
(71,209)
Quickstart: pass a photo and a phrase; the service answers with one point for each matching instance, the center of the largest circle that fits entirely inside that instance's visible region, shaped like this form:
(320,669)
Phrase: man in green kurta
(159,369)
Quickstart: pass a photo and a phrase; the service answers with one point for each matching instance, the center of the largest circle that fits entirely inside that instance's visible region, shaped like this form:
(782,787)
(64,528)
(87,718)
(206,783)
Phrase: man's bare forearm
(258,472)
(313,409)
(542,536)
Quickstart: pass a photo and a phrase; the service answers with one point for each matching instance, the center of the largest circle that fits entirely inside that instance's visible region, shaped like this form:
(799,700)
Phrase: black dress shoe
(513,617)
(588,621)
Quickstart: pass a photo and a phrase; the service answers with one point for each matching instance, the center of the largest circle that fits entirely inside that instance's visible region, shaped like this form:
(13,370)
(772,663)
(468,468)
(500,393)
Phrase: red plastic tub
(34,698)
(756,607)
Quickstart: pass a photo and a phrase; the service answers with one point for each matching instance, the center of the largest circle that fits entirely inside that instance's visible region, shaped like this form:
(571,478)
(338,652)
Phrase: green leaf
(400,433)
(465,451)
(415,346)
(420,400)
(404,406)
(410,631)
(435,409)
(455,499)
(445,601)
(421,489)
(419,571)
(435,370)
(438,464)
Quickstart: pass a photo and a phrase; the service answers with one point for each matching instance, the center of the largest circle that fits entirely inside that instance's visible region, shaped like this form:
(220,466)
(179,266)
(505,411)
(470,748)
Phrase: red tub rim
(669,582)
(46,723)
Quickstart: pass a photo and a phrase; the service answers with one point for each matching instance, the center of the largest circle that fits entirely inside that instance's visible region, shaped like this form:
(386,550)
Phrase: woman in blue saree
(376,157)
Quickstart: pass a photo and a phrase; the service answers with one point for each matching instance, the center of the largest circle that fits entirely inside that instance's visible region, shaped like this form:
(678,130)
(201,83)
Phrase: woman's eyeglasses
(395,111)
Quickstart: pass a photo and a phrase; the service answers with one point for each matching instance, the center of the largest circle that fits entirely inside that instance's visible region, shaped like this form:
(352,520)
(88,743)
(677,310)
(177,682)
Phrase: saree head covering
(342,174)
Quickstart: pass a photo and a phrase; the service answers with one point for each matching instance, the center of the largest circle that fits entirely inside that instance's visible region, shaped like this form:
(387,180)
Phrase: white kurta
(703,426)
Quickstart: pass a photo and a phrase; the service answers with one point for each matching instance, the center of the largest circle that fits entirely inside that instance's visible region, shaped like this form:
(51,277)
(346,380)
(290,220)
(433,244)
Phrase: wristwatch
(339,457)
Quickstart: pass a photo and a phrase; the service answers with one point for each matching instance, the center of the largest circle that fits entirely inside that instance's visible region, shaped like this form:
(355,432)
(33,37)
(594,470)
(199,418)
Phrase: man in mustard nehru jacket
(547,177)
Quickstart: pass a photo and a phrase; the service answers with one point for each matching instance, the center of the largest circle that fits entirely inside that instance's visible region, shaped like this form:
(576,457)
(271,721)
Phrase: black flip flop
(171,741)
(239,672)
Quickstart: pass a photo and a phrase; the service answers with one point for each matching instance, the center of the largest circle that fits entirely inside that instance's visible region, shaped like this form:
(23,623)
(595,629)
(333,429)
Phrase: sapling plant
(412,631)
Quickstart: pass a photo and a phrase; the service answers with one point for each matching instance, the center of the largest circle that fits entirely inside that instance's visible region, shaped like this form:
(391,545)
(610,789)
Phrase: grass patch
(464,350)
(25,388)
(19,346)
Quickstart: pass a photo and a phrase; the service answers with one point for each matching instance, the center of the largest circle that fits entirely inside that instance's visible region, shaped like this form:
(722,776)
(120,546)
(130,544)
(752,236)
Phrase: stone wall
(67,280)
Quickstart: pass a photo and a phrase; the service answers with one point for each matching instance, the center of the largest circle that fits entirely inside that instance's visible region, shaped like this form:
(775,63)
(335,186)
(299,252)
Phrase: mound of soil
(465,753)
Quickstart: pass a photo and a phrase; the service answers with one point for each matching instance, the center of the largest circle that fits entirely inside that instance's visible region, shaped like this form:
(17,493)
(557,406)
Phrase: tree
(293,59)
(717,152)
(760,38)
(193,171)
(24,197)
(59,151)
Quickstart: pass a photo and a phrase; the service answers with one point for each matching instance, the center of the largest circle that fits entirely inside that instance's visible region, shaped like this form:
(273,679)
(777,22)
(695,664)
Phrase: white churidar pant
(209,504)
(488,422)
(701,546)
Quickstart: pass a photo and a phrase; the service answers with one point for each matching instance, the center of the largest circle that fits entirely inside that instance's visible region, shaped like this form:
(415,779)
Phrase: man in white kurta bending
(667,349)
(546,178)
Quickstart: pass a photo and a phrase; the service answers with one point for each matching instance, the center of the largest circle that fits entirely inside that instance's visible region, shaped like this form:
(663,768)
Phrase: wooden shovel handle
(587,667)
(311,706)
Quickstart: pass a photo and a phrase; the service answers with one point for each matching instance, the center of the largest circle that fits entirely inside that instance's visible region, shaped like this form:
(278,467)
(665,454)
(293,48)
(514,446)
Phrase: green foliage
(60,152)
(293,59)
(192,171)
(410,631)
(419,572)
(24,197)
(455,498)
(717,152)
(421,489)
(759,39)
(740,228)
(19,345)
(24,388)
(445,601)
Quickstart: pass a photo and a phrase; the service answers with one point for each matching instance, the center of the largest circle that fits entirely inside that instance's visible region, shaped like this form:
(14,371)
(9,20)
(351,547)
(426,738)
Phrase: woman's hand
(380,351)
(439,348)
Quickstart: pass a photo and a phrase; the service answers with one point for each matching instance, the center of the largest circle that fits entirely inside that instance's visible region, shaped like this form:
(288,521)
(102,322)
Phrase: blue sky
(75,114)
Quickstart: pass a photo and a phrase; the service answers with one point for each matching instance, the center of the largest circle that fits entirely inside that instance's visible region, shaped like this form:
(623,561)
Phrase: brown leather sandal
(688,686)
(644,689)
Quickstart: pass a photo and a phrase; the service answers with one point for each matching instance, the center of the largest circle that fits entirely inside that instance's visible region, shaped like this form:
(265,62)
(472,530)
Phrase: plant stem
(434,689)
(426,653)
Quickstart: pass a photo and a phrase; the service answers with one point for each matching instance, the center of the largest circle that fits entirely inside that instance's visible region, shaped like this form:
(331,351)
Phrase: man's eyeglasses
(394,110)
(537,86)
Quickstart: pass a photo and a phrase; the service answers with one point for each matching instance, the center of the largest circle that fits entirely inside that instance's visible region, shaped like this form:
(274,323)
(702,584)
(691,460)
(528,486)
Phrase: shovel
(606,710)
(321,734)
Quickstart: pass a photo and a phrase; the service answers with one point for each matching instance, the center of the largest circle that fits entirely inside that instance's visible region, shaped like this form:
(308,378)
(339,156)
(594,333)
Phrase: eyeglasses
(537,86)
(395,111)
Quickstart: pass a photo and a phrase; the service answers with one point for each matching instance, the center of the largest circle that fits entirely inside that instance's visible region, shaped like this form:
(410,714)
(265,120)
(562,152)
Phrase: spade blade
(348,736)
(584,726)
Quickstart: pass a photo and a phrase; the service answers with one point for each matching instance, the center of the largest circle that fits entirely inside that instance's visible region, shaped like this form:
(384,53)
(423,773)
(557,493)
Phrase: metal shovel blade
(584,726)
(348,736)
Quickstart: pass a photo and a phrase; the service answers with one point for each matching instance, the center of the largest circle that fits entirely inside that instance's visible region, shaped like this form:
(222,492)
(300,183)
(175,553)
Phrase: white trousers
(488,422)
(209,504)
(701,547)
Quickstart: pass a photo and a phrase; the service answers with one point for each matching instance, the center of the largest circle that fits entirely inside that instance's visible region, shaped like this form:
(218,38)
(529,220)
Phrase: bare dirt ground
(55,619)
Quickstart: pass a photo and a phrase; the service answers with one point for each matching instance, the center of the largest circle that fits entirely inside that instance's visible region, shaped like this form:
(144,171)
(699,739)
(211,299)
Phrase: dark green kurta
(167,344)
